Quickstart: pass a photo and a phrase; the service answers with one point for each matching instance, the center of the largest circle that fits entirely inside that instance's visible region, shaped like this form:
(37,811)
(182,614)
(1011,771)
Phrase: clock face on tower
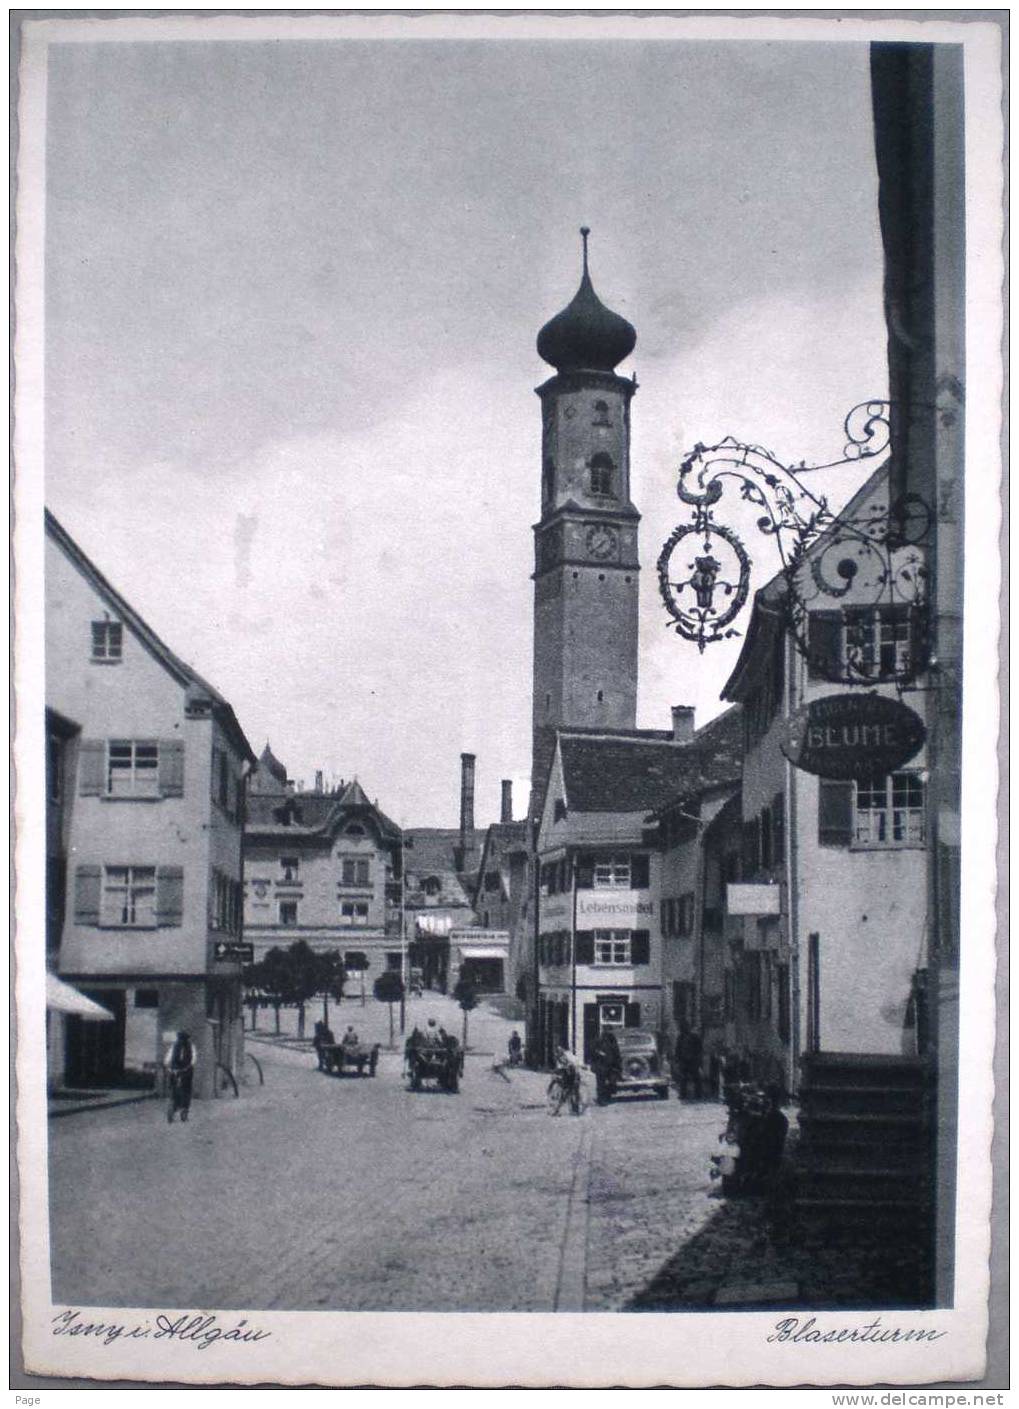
(602,542)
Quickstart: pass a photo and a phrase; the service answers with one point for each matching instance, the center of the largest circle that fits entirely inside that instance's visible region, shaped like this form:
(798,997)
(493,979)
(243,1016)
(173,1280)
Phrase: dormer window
(432,885)
(354,830)
(602,474)
(107,641)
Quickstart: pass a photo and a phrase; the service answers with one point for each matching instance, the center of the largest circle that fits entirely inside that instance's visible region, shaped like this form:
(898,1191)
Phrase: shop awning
(62,998)
(434,924)
(472,951)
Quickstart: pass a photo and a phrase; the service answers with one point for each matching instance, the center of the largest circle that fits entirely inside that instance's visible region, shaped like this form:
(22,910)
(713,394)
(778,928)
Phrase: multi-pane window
(226,903)
(290,868)
(354,912)
(129,896)
(876,642)
(107,640)
(611,871)
(356,873)
(612,946)
(889,811)
(288,912)
(132,768)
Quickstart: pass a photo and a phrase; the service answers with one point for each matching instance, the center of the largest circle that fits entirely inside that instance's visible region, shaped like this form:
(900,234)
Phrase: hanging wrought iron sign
(863,571)
(853,736)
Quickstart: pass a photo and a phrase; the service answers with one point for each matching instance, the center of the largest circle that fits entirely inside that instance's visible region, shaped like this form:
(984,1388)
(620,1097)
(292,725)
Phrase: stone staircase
(865,1146)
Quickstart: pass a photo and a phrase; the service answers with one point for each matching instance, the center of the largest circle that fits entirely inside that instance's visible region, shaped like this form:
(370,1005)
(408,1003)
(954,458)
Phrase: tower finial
(585,230)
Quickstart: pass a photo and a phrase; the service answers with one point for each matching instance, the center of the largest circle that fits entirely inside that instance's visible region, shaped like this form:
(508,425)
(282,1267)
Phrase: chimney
(506,814)
(318,780)
(682,723)
(466,802)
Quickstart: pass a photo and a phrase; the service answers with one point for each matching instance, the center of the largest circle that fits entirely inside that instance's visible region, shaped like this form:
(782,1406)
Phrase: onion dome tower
(586,566)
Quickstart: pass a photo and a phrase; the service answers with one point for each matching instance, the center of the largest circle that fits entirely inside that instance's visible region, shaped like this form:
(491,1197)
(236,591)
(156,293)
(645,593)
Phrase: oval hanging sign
(853,736)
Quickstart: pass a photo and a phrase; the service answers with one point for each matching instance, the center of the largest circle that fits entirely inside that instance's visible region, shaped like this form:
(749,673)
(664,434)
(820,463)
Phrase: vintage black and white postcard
(507,580)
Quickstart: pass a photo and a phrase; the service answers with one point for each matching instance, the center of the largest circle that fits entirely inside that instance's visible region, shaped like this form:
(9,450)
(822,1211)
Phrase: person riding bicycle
(567,1068)
(180,1065)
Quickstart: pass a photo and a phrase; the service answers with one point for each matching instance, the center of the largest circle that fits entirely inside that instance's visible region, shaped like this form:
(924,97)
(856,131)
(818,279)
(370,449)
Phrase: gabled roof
(640,770)
(512,835)
(199,692)
(315,818)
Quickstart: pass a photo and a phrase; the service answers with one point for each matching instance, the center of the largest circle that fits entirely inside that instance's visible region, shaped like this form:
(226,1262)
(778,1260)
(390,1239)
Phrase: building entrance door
(94,1051)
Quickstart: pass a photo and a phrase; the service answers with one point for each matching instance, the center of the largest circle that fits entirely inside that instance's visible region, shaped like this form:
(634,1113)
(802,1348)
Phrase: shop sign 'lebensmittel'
(853,736)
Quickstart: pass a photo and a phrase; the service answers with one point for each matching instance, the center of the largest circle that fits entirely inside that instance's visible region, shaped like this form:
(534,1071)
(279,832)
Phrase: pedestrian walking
(180,1062)
(515,1048)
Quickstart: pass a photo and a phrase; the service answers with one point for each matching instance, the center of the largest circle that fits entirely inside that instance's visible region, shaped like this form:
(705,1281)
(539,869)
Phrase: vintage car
(640,1068)
(434,1060)
(342,1057)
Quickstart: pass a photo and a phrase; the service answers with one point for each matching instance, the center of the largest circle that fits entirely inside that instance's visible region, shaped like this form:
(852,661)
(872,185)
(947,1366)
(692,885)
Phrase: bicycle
(565,1089)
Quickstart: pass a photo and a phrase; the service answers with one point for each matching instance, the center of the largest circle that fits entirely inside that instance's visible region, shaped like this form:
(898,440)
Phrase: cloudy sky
(292,291)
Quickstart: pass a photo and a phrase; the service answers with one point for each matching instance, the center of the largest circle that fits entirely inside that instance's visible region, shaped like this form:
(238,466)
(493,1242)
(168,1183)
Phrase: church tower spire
(586,567)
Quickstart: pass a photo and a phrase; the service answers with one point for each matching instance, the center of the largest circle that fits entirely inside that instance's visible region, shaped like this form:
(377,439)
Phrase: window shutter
(585,947)
(91,764)
(824,641)
(751,845)
(639,873)
(778,828)
(640,947)
(169,895)
(171,767)
(88,884)
(585,872)
(633,1015)
(834,813)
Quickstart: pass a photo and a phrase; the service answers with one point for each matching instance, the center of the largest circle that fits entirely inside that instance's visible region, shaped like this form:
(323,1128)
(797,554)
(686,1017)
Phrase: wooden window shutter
(640,947)
(88,888)
(640,872)
(834,812)
(585,872)
(91,766)
(169,895)
(751,845)
(778,827)
(585,947)
(171,767)
(633,1015)
(824,641)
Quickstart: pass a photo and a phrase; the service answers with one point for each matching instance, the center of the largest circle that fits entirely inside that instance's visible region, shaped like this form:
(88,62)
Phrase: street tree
(466,994)
(388,988)
(304,976)
(274,973)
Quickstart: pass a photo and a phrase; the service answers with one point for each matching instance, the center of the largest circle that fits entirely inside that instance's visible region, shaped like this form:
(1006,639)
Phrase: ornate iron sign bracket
(840,565)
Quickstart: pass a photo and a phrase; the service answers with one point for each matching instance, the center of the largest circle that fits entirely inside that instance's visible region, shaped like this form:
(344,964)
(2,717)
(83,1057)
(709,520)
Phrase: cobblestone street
(355,1194)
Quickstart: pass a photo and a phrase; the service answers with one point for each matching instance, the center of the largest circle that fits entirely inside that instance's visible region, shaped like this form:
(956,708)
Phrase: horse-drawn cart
(342,1058)
(434,1059)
